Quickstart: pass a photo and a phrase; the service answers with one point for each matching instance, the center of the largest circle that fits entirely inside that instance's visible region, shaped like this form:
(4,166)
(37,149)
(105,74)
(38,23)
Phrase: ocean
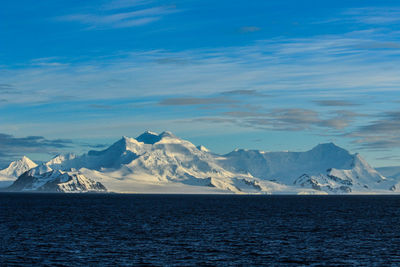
(198,230)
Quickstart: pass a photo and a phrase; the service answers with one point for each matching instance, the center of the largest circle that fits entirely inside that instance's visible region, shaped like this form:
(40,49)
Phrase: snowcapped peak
(26,159)
(18,167)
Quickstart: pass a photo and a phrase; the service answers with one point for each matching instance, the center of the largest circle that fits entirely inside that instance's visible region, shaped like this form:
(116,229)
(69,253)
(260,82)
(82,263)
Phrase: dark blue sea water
(84,229)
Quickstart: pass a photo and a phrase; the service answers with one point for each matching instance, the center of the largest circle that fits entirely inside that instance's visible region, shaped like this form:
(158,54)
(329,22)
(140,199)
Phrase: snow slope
(164,163)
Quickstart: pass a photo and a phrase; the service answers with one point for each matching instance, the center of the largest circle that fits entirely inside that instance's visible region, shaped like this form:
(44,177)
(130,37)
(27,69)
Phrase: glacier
(165,163)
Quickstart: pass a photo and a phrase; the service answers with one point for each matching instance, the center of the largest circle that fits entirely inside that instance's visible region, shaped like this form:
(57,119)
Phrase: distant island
(164,163)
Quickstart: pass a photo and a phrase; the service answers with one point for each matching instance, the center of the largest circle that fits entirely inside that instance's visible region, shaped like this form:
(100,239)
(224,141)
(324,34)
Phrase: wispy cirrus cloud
(319,67)
(332,71)
(6,88)
(119,15)
(374,15)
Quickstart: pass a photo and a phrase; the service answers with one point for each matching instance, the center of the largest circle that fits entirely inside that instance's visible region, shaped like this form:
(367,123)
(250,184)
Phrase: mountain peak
(27,161)
(327,147)
(16,168)
(25,158)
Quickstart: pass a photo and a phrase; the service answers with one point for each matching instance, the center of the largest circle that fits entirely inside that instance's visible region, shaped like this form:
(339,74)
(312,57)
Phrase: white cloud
(325,66)
(374,15)
(336,70)
(121,19)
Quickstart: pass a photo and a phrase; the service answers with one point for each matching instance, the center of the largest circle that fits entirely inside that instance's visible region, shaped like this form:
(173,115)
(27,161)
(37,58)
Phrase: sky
(268,75)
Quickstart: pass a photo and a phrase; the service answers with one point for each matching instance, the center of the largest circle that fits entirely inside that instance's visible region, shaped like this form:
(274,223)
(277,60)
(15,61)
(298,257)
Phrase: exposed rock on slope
(45,180)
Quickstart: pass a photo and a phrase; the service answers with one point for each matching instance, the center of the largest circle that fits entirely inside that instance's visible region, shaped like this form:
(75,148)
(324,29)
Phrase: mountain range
(164,163)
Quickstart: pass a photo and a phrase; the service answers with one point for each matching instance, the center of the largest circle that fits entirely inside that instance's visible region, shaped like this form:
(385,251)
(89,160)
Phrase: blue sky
(271,75)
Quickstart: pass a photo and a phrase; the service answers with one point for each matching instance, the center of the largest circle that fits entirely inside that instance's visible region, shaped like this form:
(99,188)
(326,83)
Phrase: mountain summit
(18,167)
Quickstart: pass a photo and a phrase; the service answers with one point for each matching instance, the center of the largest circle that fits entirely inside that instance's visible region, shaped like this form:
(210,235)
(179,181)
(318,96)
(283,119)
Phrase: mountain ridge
(171,164)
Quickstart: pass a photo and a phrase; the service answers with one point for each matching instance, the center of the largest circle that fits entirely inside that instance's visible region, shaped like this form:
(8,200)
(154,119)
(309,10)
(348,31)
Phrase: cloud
(380,45)
(391,158)
(12,147)
(298,119)
(331,70)
(247,29)
(47,62)
(374,15)
(388,123)
(335,103)
(7,89)
(379,134)
(337,123)
(126,19)
(293,119)
(190,101)
(326,67)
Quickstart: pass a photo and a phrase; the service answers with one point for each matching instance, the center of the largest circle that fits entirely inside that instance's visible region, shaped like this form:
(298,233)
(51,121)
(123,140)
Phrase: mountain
(326,167)
(16,168)
(161,161)
(43,179)
(164,163)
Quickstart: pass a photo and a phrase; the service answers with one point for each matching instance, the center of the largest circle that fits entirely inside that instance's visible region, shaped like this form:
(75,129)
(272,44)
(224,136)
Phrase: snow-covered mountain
(160,160)
(44,179)
(164,163)
(326,167)
(18,167)
(14,170)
